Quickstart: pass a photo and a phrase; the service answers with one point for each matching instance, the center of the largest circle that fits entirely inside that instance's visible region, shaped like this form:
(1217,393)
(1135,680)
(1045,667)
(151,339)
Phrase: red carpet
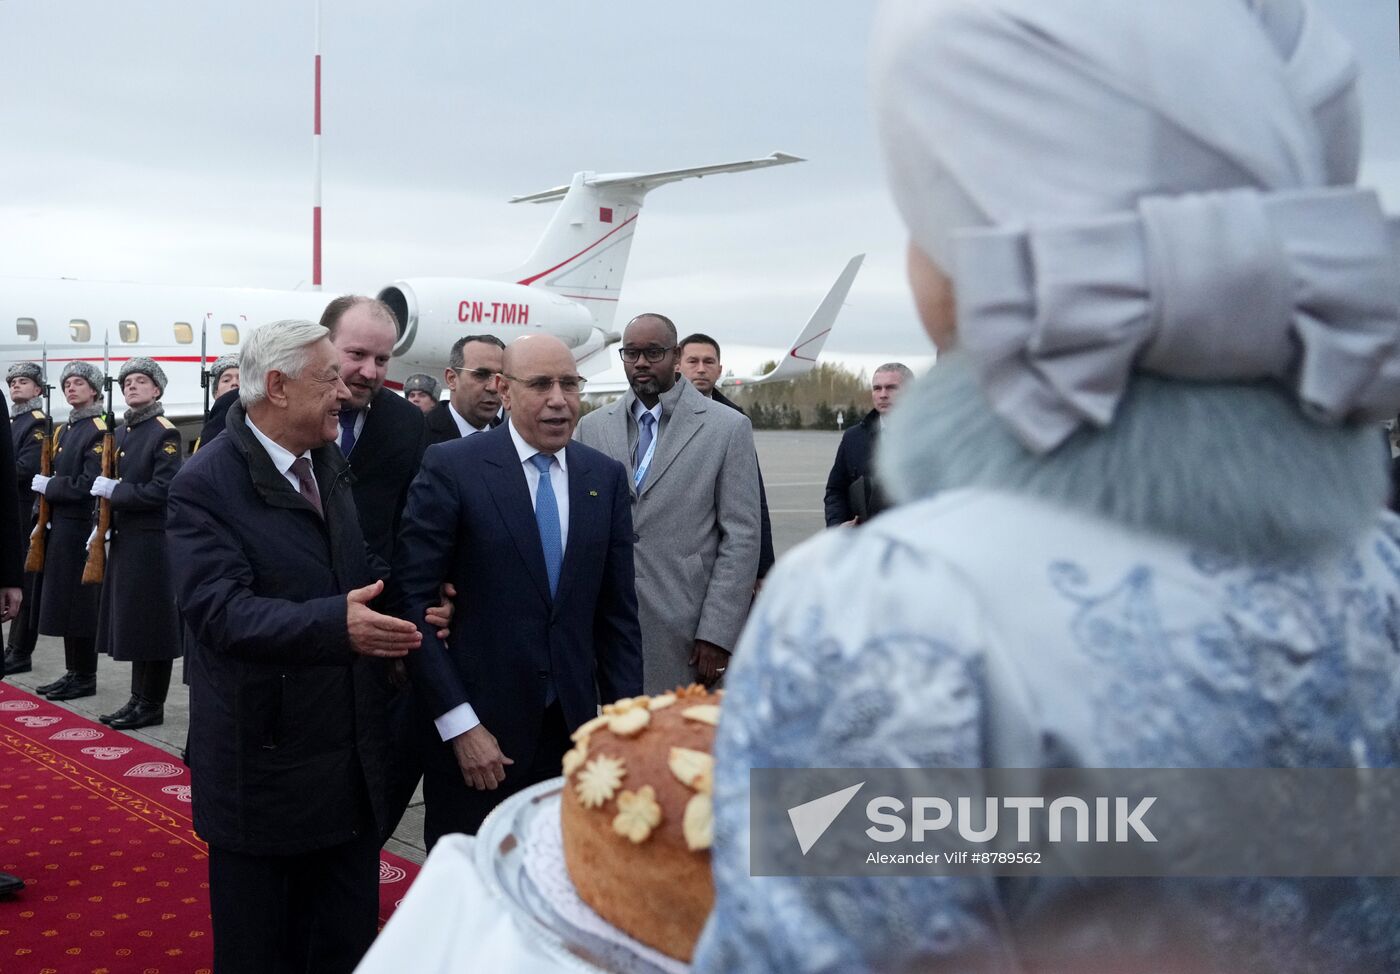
(98,826)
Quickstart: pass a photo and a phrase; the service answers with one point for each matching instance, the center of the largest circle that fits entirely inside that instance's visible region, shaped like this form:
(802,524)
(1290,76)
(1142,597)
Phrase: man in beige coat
(695,508)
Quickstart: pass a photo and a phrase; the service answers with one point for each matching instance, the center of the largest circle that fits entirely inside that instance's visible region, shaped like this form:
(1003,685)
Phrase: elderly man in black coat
(287,742)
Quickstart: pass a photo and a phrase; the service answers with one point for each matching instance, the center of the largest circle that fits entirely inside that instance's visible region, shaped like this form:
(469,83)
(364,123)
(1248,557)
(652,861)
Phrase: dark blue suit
(469,521)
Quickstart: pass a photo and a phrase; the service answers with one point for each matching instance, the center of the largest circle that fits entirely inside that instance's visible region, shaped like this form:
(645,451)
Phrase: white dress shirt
(639,408)
(281,457)
(463,718)
(463,427)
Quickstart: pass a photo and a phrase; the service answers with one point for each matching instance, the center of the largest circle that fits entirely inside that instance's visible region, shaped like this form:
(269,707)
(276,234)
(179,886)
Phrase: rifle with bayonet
(38,538)
(96,566)
(204,364)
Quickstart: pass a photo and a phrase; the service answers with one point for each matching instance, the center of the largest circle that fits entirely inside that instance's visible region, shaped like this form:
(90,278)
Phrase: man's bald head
(541,386)
(538,351)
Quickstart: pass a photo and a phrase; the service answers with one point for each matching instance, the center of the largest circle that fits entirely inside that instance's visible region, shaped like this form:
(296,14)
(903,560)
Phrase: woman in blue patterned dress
(1142,520)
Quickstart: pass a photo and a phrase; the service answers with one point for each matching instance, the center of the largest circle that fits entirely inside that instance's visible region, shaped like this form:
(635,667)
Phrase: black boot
(10,885)
(144,714)
(49,688)
(122,711)
(17,662)
(82,685)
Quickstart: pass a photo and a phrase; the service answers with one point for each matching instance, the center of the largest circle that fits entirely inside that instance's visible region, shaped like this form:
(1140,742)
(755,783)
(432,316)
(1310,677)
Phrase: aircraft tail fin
(802,354)
(582,254)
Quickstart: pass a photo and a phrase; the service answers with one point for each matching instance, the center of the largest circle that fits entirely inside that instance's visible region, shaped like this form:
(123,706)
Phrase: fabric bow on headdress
(1108,194)
(1297,286)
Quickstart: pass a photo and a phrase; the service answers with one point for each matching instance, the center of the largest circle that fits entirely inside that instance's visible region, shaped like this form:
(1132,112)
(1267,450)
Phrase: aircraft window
(184,334)
(229,333)
(129,331)
(79,330)
(27,328)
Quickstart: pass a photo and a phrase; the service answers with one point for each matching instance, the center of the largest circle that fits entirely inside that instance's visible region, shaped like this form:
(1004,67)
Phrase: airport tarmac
(795,465)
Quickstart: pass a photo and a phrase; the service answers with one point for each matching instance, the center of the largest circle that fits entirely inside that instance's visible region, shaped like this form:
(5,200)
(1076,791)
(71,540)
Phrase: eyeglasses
(569,385)
(654,353)
(480,375)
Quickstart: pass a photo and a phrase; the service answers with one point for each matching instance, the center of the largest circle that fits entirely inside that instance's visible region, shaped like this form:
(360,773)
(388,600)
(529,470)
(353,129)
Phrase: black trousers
(150,679)
(313,913)
(451,805)
(406,752)
(80,654)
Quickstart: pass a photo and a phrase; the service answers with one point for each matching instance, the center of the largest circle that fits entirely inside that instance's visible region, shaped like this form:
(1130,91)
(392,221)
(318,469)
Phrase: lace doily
(544,865)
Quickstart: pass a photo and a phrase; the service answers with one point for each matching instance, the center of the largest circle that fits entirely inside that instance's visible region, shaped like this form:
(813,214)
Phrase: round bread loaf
(636,816)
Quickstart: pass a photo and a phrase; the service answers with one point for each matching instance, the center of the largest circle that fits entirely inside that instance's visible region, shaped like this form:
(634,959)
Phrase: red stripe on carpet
(98,826)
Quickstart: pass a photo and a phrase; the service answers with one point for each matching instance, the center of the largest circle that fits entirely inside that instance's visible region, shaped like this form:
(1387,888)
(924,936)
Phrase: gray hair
(282,346)
(899,368)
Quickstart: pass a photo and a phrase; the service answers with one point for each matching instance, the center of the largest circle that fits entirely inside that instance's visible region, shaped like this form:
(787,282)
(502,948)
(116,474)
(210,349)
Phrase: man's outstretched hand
(373,633)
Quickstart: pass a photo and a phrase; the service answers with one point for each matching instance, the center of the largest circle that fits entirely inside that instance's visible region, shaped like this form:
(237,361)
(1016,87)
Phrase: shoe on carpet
(121,711)
(48,688)
(10,885)
(84,685)
(144,714)
(16,662)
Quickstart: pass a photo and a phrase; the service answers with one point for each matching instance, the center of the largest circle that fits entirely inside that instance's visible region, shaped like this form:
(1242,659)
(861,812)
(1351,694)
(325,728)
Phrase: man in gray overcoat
(695,509)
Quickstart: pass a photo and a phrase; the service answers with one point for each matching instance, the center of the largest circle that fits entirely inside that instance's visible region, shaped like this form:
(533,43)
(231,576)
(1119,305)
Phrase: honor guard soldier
(67,607)
(29,425)
(421,389)
(137,621)
(223,377)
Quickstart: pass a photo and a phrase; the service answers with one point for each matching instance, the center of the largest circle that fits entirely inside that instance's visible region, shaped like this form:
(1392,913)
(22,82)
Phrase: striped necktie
(302,468)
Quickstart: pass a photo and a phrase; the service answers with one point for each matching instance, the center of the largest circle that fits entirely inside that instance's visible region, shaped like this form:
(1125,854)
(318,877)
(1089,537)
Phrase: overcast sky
(167,141)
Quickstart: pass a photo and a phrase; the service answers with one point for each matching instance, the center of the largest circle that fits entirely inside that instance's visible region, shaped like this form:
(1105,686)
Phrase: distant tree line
(811,402)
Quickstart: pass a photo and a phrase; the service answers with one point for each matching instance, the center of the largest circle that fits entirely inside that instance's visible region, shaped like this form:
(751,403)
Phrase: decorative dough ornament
(706,713)
(599,780)
(638,813)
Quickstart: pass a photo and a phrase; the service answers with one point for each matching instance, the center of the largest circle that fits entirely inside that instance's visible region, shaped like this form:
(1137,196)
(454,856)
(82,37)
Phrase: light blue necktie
(347,430)
(644,435)
(547,517)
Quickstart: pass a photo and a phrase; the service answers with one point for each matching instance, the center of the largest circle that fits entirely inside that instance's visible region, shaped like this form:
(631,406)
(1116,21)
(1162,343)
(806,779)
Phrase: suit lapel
(511,494)
(685,422)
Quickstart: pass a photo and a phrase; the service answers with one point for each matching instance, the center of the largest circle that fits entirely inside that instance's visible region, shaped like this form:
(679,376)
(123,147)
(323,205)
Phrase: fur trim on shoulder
(1229,467)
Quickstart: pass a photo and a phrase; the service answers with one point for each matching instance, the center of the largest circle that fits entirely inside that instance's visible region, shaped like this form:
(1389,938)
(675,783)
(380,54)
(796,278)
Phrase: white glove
(40,483)
(103,486)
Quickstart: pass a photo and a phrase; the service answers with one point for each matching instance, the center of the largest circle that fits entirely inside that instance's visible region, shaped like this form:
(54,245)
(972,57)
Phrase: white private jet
(569,287)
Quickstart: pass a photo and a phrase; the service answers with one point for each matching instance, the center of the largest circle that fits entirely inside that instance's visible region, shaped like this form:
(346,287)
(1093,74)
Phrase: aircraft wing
(611,387)
(650,180)
(802,355)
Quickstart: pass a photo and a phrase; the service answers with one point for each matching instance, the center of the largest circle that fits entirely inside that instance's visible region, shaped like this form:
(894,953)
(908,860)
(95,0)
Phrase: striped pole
(316,162)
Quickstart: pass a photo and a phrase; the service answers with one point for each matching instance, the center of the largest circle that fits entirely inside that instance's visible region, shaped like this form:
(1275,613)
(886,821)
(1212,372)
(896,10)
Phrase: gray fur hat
(421,382)
(25,370)
(85,371)
(143,366)
(221,365)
